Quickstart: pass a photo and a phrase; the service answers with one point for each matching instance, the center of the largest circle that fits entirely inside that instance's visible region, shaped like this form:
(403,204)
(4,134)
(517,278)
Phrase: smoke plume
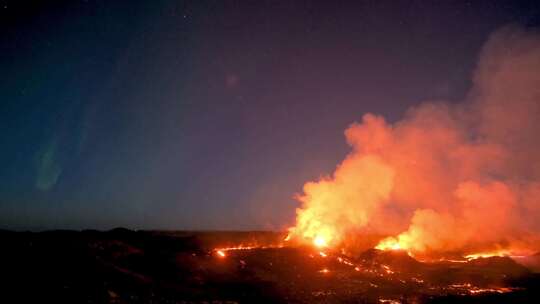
(447,177)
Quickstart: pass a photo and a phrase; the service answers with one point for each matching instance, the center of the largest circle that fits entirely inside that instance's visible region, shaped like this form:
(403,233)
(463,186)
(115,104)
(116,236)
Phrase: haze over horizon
(211,115)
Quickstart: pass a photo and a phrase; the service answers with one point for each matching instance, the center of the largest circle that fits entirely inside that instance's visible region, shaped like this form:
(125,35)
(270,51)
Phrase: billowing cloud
(447,177)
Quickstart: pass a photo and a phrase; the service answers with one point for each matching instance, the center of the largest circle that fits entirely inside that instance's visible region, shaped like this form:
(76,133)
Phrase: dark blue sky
(210,114)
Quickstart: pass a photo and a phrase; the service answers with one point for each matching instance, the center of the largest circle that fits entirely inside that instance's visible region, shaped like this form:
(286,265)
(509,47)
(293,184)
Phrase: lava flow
(446,195)
(222,251)
(374,273)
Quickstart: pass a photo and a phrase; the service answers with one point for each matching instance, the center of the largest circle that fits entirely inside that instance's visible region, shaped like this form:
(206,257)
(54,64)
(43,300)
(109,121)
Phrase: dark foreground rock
(124,266)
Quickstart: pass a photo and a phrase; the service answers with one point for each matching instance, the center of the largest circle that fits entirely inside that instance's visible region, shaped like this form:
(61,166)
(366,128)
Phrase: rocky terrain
(124,266)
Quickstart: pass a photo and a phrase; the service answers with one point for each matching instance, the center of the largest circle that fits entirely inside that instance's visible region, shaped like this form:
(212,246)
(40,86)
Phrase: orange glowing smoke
(449,177)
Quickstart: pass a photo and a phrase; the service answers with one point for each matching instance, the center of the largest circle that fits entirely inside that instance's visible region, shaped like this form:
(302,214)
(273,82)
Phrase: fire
(499,253)
(328,216)
(389,244)
(221,254)
(447,177)
(400,243)
(395,244)
(320,242)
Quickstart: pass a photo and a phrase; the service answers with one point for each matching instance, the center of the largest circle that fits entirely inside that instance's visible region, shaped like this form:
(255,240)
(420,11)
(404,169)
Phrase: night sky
(210,114)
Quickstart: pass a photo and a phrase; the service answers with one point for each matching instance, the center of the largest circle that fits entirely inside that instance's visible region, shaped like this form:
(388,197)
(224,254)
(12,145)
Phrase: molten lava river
(318,273)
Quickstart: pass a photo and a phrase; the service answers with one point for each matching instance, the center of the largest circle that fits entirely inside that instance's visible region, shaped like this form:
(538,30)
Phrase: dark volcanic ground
(123,266)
